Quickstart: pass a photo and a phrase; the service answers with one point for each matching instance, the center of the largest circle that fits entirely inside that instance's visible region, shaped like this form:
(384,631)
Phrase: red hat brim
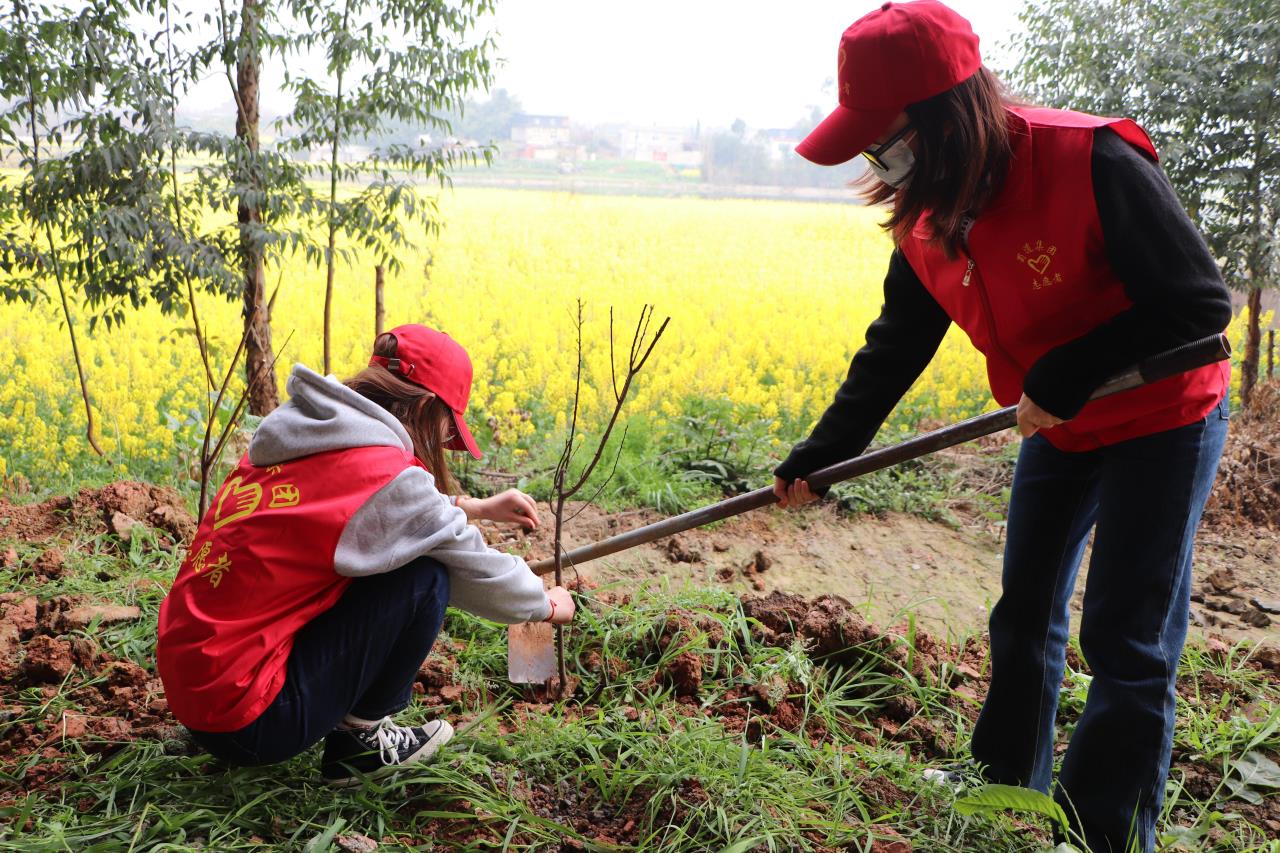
(463,440)
(845,134)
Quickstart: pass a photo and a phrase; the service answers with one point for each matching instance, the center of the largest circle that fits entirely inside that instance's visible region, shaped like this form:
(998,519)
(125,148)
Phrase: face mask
(892,162)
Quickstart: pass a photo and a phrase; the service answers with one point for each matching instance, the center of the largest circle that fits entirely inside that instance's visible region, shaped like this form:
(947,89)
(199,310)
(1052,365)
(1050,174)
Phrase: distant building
(346,154)
(677,147)
(541,137)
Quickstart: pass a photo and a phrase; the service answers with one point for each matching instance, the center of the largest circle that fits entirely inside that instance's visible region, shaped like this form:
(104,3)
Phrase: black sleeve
(1168,273)
(899,345)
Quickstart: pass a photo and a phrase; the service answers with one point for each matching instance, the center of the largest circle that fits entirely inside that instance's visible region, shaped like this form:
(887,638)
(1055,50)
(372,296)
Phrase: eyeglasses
(874,155)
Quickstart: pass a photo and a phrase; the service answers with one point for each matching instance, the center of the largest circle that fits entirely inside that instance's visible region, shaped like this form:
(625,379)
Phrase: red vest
(1036,275)
(259,568)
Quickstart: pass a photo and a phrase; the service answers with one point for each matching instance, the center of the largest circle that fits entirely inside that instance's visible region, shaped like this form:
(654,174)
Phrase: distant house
(674,146)
(540,137)
(346,154)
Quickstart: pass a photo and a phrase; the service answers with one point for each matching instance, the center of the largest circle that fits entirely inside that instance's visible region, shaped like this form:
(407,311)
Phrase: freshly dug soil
(93,510)
(1247,491)
(116,701)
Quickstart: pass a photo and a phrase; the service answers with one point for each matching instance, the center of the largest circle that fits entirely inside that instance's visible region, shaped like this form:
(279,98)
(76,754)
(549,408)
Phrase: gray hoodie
(405,519)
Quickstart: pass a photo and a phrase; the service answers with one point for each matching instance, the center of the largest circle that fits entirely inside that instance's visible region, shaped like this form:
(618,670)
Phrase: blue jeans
(358,657)
(1145,497)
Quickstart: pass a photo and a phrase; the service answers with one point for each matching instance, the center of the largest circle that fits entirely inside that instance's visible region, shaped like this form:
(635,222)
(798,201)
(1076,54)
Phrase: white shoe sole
(442,735)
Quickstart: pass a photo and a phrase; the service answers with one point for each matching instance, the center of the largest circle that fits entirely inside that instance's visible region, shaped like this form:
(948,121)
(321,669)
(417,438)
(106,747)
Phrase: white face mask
(893,163)
(897,163)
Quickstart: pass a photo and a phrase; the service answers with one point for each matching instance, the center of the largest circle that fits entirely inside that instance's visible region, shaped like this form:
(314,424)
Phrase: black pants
(359,657)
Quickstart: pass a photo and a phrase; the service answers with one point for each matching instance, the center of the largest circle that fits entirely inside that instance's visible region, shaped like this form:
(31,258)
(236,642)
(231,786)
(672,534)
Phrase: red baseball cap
(902,53)
(438,363)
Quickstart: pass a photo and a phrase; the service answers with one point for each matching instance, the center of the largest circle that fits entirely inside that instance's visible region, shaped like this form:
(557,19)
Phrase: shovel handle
(1199,353)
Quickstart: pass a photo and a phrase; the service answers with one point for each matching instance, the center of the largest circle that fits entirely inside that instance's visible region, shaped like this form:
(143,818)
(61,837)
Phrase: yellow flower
(768,302)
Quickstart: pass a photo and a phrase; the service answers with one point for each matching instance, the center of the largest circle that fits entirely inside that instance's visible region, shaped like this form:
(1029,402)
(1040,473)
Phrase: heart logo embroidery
(245,499)
(1039,264)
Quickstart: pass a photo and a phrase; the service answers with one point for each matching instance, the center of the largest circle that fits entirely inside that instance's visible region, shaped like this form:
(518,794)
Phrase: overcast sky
(663,62)
(680,61)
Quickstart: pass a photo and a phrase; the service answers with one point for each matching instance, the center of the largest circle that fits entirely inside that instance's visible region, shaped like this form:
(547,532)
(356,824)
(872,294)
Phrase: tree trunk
(379,306)
(1252,347)
(1271,355)
(257,315)
(329,258)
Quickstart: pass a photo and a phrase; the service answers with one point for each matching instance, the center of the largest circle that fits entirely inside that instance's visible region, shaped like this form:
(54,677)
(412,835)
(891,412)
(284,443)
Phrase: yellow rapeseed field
(768,302)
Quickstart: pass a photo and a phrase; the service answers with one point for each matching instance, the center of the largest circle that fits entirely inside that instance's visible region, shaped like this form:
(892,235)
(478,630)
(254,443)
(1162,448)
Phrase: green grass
(686,772)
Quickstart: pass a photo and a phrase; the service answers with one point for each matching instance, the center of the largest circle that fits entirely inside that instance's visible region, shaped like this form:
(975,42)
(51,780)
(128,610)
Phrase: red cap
(902,53)
(438,363)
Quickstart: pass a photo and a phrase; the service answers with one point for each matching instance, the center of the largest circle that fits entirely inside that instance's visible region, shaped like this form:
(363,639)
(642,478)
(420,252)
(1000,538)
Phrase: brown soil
(1248,489)
(889,563)
(116,701)
(92,511)
(948,577)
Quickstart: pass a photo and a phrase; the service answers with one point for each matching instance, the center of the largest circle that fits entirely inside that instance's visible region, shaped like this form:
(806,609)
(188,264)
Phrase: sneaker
(353,754)
(957,776)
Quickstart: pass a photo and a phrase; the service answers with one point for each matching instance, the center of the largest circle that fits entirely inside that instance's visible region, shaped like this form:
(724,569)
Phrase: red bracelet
(552,602)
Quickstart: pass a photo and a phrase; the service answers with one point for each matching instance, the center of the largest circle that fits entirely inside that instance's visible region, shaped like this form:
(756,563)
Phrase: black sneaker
(356,753)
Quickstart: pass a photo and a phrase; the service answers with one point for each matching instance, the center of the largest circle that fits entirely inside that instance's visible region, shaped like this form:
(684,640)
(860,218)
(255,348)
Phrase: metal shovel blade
(531,653)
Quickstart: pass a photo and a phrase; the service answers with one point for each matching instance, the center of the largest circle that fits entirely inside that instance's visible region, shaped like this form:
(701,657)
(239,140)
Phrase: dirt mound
(112,701)
(1248,487)
(834,632)
(114,507)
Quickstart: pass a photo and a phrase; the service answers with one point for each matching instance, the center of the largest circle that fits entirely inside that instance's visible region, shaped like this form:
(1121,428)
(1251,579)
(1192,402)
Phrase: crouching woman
(318,579)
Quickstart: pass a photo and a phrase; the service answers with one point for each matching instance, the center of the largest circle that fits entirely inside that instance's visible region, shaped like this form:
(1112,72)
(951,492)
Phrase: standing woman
(1054,240)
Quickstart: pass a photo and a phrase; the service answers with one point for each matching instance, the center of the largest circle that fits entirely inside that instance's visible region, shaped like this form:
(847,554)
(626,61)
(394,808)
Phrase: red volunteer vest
(1036,275)
(259,568)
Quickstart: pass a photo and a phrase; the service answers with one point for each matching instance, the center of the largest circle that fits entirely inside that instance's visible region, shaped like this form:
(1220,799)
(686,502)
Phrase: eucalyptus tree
(388,64)
(1203,76)
(95,214)
(261,185)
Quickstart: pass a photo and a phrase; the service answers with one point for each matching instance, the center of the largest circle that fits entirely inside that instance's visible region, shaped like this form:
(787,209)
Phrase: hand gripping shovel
(537,663)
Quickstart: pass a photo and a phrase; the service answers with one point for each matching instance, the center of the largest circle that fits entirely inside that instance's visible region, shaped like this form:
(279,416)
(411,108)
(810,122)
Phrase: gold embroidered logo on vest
(199,557)
(274,469)
(218,568)
(247,498)
(1038,256)
(285,494)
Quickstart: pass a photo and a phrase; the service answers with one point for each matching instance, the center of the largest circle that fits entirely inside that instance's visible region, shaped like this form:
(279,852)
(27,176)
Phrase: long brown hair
(424,415)
(961,161)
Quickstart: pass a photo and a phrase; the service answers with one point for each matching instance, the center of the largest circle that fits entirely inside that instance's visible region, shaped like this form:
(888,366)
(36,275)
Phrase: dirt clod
(677,552)
(1222,580)
(48,660)
(51,564)
(122,525)
(63,614)
(1256,619)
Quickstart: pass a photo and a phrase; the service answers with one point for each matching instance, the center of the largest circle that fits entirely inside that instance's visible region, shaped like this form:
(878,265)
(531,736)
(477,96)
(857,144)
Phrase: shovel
(533,648)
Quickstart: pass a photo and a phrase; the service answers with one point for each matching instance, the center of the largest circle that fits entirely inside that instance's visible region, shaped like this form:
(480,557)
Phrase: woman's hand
(1032,418)
(563,608)
(793,495)
(511,507)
